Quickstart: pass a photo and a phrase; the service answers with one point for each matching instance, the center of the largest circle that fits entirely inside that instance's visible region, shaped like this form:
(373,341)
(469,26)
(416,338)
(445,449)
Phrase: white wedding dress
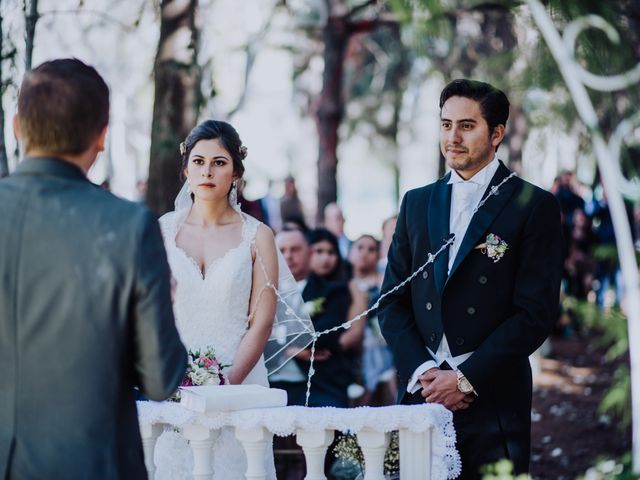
(211,311)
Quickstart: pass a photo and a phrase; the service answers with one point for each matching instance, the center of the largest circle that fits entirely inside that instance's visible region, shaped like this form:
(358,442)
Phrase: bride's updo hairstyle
(216,130)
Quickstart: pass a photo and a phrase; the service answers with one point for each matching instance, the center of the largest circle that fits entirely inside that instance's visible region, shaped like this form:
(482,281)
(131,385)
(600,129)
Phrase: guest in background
(271,206)
(290,462)
(388,227)
(333,220)
(378,372)
(607,271)
(326,260)
(290,205)
(328,301)
(292,224)
(569,200)
(251,207)
(579,263)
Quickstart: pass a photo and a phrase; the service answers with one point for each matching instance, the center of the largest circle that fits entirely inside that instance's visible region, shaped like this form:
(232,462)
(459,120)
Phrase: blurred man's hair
(295,225)
(62,107)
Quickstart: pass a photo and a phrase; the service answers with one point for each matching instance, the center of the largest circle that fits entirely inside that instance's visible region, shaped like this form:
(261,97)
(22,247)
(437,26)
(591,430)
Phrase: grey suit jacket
(85,315)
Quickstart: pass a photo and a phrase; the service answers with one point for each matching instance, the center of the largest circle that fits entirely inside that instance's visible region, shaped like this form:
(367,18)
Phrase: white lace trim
(285,421)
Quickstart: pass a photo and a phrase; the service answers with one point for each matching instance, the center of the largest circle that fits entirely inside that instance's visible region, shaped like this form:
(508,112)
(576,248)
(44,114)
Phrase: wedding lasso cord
(315,335)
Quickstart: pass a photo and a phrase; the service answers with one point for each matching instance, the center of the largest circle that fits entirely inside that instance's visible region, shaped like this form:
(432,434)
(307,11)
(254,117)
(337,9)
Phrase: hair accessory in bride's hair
(183,148)
(242,150)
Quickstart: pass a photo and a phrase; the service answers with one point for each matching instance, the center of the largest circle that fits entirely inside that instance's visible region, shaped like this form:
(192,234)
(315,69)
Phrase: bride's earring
(233,196)
(188,186)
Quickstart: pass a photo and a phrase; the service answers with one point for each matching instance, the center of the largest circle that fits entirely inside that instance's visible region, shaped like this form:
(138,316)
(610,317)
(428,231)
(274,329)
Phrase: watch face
(465,386)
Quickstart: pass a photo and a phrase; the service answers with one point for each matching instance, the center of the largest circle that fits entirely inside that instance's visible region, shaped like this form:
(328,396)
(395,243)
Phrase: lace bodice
(211,310)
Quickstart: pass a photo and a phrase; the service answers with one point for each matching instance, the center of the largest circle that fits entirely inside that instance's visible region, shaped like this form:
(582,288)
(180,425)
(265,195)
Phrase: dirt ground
(568,433)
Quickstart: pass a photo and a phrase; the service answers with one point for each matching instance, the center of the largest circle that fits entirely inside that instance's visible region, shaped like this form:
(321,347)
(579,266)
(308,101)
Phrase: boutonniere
(494,247)
(314,307)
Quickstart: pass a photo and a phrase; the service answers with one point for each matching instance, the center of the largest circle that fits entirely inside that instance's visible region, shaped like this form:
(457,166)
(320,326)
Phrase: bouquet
(203,368)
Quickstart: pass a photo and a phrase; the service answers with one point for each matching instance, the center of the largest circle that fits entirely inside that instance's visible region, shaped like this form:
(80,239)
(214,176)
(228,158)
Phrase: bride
(221,260)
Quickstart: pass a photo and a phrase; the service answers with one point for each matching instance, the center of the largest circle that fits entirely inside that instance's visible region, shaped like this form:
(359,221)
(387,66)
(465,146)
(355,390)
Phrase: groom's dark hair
(494,104)
(62,107)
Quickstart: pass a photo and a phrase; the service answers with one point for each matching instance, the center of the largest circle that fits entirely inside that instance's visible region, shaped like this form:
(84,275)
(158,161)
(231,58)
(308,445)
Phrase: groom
(462,331)
(85,311)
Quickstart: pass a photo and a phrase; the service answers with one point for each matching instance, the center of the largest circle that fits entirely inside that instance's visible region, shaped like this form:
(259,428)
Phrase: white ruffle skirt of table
(283,421)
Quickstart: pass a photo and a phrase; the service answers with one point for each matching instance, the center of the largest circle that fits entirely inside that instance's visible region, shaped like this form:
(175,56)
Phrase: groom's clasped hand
(441,386)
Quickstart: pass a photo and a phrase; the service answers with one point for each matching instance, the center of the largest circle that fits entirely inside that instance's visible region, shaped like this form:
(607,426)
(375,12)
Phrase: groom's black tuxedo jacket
(501,310)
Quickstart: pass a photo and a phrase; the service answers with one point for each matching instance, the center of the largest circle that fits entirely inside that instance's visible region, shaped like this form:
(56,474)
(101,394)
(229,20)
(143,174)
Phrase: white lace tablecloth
(284,421)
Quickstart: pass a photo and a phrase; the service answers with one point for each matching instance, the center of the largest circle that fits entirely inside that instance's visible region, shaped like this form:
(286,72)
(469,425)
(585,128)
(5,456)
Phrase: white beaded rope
(495,190)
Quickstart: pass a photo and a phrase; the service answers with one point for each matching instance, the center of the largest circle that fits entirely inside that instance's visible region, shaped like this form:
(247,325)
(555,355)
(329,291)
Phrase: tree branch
(97,13)
(354,11)
(253,48)
(30,20)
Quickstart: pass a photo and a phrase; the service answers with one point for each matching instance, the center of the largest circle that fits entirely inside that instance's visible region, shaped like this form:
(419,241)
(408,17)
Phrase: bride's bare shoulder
(264,236)
(264,241)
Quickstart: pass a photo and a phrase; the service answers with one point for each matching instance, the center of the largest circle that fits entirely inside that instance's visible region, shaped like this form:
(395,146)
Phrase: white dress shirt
(465,196)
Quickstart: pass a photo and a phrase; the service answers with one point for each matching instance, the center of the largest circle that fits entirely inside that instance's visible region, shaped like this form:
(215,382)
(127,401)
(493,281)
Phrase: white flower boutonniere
(314,307)
(494,247)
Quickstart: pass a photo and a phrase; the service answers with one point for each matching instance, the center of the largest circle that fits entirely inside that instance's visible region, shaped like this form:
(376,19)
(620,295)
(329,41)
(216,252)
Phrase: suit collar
(438,221)
(485,215)
(50,166)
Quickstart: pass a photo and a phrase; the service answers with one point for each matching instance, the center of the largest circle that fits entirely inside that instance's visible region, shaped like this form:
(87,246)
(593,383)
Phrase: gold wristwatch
(464,385)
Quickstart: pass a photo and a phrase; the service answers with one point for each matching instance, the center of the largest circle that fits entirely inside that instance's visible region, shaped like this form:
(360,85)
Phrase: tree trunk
(30,20)
(176,102)
(4,163)
(516,136)
(330,110)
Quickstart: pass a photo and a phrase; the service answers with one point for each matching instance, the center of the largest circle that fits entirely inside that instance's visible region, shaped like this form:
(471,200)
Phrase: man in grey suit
(85,309)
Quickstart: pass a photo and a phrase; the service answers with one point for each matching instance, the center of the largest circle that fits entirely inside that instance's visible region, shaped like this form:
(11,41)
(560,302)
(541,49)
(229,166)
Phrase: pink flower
(208,362)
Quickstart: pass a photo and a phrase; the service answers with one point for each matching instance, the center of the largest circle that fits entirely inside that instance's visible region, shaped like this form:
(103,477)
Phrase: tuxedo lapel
(438,221)
(484,216)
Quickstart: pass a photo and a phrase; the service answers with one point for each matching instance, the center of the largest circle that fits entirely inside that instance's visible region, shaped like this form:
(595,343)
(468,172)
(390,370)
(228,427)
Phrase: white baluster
(201,441)
(415,455)
(314,445)
(255,442)
(149,435)
(374,446)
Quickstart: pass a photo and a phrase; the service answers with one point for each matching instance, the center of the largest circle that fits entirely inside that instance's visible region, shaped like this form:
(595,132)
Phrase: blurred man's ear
(101,139)
(16,127)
